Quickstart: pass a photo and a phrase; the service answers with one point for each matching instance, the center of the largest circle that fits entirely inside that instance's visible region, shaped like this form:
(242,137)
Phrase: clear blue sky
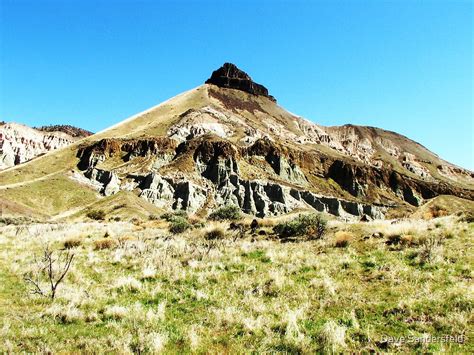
(404,66)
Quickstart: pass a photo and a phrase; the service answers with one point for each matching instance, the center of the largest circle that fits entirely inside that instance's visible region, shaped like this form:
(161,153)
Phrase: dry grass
(156,292)
(435,211)
(343,239)
(105,243)
(72,243)
(215,233)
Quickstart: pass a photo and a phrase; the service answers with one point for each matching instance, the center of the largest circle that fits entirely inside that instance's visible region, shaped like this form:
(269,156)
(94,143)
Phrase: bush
(98,215)
(105,243)
(179,225)
(135,221)
(214,234)
(310,226)
(467,217)
(231,212)
(15,221)
(343,239)
(430,249)
(393,239)
(72,243)
(170,216)
(153,217)
(197,222)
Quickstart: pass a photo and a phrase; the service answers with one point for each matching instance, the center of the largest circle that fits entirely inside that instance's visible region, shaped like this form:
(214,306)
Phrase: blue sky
(404,66)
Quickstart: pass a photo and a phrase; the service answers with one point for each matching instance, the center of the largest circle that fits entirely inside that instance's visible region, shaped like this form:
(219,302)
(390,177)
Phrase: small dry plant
(48,272)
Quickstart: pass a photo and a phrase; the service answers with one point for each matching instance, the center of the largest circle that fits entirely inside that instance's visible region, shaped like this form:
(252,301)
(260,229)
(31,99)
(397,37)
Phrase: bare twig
(49,269)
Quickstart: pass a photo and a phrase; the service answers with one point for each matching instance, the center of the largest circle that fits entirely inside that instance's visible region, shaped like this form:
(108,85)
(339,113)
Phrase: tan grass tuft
(72,243)
(343,239)
(105,243)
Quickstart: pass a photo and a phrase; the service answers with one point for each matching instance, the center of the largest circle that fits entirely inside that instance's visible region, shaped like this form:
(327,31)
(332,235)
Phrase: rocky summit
(229,76)
(227,142)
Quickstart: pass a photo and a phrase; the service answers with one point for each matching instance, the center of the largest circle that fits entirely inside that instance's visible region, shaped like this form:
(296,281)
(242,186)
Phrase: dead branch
(50,270)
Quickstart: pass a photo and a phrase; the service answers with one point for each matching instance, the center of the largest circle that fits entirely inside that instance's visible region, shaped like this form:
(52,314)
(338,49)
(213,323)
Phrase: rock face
(217,162)
(19,143)
(229,76)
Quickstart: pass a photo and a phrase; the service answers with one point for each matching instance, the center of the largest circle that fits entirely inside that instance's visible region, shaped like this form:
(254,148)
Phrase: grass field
(135,287)
(48,197)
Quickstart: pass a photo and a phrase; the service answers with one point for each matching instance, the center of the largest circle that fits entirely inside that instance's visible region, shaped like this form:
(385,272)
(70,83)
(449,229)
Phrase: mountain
(20,143)
(229,142)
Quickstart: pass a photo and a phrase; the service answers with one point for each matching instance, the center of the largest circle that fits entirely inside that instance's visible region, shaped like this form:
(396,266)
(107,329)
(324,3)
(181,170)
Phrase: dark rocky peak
(229,76)
(68,129)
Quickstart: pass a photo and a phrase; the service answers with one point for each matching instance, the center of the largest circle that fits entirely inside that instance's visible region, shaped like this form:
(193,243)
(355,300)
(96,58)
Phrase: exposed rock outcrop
(282,162)
(20,143)
(158,191)
(72,131)
(217,177)
(229,76)
(109,181)
(166,193)
(91,155)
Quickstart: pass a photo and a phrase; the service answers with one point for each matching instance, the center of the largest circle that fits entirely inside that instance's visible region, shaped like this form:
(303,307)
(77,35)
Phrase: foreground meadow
(137,287)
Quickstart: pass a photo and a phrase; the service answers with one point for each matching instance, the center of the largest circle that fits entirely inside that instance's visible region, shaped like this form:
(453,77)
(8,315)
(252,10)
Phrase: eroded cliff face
(208,171)
(215,178)
(19,143)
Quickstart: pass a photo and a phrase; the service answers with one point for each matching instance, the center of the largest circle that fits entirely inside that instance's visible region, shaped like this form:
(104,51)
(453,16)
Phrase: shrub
(105,243)
(430,249)
(343,239)
(310,226)
(135,221)
(393,239)
(179,225)
(408,240)
(153,217)
(98,215)
(170,216)
(72,243)
(197,222)
(435,211)
(15,221)
(230,212)
(467,217)
(213,234)
(198,225)
(266,223)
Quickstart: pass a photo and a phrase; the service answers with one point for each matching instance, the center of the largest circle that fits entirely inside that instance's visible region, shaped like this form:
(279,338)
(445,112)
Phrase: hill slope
(233,144)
